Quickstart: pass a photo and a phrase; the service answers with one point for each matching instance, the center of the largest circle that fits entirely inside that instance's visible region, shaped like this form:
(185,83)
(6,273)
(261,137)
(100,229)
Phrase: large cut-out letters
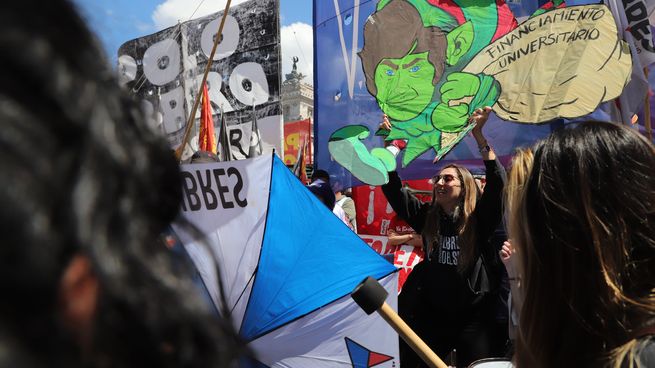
(248,84)
(161,62)
(172,107)
(229,42)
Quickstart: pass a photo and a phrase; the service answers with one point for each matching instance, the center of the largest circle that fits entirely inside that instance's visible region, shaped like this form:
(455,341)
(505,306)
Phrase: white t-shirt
(341,214)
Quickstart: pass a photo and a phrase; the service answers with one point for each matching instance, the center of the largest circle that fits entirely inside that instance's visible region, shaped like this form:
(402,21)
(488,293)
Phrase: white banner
(228,204)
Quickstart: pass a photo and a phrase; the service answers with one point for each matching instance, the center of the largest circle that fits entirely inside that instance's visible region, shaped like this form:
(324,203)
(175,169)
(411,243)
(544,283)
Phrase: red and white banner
(374,214)
(405,257)
(375,218)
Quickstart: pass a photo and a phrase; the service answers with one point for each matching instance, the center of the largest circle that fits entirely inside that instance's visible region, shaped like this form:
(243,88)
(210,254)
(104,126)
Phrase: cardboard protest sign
(428,65)
(562,63)
(412,59)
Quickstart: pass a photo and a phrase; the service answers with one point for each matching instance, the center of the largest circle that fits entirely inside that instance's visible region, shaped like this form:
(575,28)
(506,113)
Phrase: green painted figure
(413,54)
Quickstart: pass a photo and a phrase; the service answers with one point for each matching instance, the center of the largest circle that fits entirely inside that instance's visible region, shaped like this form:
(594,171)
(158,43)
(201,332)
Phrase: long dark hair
(83,174)
(585,238)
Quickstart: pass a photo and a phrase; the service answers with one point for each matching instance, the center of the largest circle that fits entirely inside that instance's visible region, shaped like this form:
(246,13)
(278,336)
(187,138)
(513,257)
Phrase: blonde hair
(516,178)
(586,248)
(462,216)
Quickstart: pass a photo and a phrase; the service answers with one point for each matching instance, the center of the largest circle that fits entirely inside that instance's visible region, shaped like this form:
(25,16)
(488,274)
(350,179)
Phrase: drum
(492,363)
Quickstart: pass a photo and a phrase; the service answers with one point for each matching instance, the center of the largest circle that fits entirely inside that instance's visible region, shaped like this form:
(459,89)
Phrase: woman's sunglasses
(447,178)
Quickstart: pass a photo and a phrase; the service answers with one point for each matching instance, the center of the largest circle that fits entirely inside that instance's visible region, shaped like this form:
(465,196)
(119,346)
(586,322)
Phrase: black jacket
(488,213)
(488,210)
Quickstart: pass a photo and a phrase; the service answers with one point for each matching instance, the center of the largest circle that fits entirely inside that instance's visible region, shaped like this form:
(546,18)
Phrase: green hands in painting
(461,94)
(347,149)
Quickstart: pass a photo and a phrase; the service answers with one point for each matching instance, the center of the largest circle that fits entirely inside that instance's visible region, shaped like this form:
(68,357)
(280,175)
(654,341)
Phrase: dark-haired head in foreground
(86,190)
(321,175)
(584,232)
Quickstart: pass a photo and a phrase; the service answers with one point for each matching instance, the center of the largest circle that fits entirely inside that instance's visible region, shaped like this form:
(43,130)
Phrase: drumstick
(371,296)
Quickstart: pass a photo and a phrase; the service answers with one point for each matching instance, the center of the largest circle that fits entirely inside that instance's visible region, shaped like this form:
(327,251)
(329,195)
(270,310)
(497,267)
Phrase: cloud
(299,44)
(144,27)
(169,12)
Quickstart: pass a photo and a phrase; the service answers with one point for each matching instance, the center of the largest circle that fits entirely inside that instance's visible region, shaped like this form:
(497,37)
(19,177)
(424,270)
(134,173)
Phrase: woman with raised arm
(448,298)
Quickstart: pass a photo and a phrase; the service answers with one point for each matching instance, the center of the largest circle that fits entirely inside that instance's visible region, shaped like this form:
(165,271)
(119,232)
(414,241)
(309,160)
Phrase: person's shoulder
(338,210)
(341,214)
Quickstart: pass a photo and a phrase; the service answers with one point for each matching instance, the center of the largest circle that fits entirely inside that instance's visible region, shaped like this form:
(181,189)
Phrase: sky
(118,21)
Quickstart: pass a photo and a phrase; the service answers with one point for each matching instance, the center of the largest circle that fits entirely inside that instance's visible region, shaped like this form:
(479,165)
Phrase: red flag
(300,169)
(206,139)
(303,165)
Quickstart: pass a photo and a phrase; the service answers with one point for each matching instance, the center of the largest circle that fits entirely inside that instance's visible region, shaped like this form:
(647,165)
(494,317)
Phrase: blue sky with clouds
(117,21)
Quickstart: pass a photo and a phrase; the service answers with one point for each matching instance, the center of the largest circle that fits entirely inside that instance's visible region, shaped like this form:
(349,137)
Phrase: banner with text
(270,242)
(428,65)
(165,70)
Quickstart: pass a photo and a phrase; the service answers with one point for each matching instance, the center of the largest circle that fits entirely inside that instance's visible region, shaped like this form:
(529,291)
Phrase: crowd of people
(576,248)
(579,254)
(88,278)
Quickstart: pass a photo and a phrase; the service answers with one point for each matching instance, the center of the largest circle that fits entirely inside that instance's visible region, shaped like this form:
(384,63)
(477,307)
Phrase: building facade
(297,96)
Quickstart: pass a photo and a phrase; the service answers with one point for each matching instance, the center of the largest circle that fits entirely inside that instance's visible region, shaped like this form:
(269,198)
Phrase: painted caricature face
(404,85)
(447,187)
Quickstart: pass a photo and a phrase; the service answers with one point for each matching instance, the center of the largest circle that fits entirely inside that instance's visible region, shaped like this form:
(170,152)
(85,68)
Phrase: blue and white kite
(287,266)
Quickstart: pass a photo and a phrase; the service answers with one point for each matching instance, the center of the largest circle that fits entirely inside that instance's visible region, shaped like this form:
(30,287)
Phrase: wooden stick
(192,116)
(410,337)
(647,123)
